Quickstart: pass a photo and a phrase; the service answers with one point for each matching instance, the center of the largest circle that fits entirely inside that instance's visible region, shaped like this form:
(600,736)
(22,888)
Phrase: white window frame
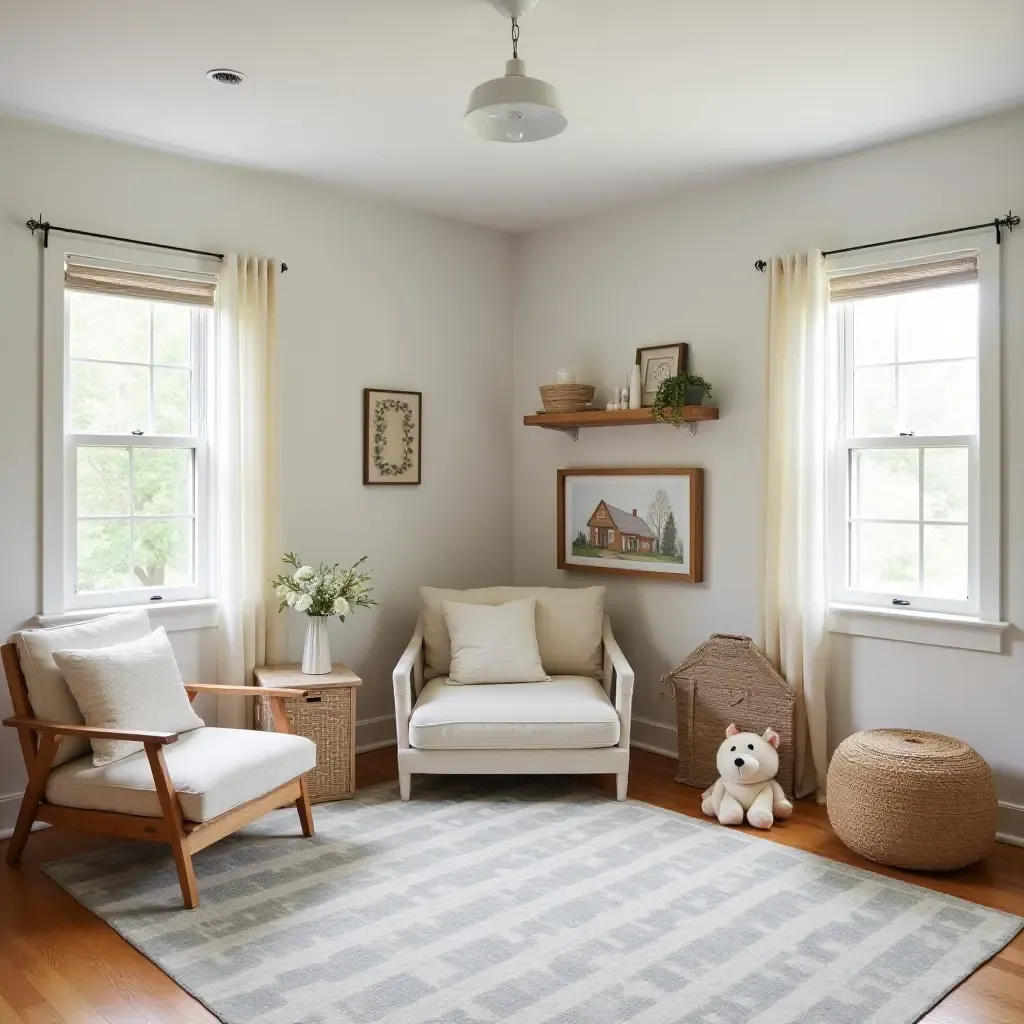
(60,601)
(929,620)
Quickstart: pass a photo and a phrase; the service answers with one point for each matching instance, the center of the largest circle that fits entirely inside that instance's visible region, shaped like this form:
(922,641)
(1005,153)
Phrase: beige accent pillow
(570,624)
(131,686)
(493,643)
(48,693)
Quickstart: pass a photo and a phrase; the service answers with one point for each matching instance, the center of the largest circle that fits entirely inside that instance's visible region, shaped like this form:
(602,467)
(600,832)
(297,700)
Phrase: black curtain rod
(46,227)
(1010,221)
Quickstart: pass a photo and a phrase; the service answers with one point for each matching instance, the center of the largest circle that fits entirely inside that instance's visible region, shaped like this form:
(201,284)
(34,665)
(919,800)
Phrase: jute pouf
(911,799)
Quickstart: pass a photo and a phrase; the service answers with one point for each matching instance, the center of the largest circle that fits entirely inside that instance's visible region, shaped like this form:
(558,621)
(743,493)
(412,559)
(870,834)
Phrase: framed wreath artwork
(392,436)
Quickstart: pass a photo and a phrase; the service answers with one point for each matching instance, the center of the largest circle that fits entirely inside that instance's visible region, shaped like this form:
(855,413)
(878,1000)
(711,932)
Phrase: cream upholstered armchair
(577,723)
(186,788)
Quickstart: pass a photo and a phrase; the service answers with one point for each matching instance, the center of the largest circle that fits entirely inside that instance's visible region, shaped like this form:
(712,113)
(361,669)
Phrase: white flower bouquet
(324,590)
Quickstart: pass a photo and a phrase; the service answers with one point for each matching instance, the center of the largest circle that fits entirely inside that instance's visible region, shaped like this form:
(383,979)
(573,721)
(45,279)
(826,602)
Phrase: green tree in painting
(670,538)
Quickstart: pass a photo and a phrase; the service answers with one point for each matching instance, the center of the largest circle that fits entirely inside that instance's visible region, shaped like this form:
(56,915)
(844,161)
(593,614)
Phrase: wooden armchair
(135,798)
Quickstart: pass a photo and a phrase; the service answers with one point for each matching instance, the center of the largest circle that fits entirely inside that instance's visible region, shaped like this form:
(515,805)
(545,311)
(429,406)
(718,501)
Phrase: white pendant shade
(515,108)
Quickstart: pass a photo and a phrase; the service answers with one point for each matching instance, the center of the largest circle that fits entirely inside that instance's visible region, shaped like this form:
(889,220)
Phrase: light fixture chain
(515,39)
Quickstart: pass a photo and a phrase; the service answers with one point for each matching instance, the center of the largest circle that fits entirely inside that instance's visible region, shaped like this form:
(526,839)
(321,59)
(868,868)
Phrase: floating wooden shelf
(570,422)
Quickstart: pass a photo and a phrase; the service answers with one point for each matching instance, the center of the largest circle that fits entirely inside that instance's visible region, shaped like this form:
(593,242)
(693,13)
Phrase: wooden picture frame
(657,362)
(392,423)
(597,533)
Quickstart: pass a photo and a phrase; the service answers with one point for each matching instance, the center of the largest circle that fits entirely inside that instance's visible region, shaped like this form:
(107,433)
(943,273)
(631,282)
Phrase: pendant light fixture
(515,108)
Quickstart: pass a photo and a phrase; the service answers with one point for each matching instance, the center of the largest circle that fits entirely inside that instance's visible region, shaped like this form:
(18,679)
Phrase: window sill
(915,627)
(174,616)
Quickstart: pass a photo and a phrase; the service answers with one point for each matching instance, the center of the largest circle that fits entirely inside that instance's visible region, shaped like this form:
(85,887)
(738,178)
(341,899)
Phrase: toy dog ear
(772,737)
(732,730)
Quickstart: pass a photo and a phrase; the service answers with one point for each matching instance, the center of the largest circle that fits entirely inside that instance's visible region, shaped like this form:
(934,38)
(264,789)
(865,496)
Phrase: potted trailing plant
(674,393)
(321,593)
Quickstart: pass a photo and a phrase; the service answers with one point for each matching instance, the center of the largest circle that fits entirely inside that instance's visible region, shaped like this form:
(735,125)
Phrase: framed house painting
(634,522)
(392,436)
(656,364)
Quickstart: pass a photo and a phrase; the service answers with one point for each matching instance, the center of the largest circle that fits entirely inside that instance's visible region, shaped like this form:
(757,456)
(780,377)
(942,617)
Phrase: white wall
(680,269)
(374,296)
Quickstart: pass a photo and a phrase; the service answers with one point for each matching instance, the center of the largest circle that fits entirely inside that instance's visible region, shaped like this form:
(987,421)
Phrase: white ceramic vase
(316,655)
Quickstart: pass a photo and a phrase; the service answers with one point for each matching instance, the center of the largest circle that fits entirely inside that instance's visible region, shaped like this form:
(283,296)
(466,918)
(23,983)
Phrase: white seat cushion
(212,770)
(569,712)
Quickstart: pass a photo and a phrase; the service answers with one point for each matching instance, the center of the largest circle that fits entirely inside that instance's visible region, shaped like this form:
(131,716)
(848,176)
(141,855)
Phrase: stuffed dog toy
(747,764)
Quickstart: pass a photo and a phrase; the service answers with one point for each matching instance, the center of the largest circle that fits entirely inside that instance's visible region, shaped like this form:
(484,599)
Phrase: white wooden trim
(174,616)
(937,629)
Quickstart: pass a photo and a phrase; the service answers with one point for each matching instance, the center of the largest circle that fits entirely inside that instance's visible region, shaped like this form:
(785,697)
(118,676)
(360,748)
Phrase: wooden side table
(327,716)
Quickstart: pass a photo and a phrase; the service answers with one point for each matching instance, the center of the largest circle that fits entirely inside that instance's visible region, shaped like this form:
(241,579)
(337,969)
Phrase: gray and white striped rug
(523,903)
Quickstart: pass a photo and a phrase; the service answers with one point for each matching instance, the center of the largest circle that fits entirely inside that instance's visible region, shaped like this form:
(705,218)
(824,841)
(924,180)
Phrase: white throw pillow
(47,692)
(494,643)
(569,624)
(131,686)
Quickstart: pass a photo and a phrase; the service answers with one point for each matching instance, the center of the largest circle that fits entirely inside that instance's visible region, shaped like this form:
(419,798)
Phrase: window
(127,409)
(914,488)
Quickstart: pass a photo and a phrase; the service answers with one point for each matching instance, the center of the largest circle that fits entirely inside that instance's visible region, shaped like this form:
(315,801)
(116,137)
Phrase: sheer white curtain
(245,474)
(796,602)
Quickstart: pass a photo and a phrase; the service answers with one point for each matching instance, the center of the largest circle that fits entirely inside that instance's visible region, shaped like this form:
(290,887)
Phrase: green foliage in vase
(670,398)
(324,590)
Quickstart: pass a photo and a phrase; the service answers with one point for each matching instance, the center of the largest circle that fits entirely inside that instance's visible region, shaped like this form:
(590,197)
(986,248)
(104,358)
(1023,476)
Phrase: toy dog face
(748,758)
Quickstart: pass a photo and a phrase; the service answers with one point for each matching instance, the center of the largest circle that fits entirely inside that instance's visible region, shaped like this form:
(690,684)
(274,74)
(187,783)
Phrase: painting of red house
(614,529)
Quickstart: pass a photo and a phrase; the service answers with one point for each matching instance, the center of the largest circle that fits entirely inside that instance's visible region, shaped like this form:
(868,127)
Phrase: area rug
(532,903)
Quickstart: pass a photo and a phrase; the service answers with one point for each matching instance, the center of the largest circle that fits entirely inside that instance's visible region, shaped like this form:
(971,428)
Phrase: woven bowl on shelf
(566,397)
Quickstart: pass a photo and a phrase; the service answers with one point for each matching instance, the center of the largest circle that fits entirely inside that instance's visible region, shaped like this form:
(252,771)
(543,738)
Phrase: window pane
(874,331)
(108,327)
(172,401)
(103,555)
(884,556)
(162,481)
(938,398)
(941,323)
(945,561)
(884,484)
(945,484)
(107,398)
(172,334)
(102,481)
(163,552)
(874,401)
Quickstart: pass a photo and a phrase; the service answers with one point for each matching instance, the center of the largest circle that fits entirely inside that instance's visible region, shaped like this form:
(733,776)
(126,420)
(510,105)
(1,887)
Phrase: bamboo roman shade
(82,277)
(894,280)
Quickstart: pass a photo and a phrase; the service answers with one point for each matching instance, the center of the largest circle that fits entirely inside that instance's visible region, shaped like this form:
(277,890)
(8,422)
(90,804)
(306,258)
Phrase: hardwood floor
(59,964)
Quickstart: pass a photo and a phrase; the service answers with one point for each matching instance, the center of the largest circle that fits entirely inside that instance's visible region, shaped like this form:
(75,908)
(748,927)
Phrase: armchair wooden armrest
(623,677)
(402,680)
(243,691)
(91,732)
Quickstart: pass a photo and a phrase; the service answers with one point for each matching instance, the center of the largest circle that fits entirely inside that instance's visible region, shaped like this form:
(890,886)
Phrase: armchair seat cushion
(212,771)
(569,712)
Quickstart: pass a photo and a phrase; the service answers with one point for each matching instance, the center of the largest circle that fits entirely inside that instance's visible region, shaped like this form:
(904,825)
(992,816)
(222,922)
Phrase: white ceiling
(370,93)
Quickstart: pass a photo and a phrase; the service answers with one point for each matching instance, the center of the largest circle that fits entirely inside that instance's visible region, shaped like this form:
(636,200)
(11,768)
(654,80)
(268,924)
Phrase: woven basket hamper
(727,679)
(325,717)
(914,800)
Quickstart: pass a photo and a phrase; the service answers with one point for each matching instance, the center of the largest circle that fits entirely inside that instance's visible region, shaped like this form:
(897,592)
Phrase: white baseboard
(1010,823)
(374,733)
(655,737)
(9,805)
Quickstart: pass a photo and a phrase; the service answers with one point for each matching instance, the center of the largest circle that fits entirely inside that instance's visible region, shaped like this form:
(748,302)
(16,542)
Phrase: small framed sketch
(634,522)
(656,364)
(392,436)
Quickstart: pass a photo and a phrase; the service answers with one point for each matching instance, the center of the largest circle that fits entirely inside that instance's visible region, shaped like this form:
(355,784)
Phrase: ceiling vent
(225,76)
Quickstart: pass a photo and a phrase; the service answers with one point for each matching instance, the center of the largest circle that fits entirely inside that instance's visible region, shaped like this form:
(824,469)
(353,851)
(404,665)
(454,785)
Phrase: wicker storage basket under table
(327,717)
(728,679)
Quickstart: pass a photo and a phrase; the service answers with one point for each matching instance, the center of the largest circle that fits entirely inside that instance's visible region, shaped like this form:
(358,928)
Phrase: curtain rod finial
(760,266)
